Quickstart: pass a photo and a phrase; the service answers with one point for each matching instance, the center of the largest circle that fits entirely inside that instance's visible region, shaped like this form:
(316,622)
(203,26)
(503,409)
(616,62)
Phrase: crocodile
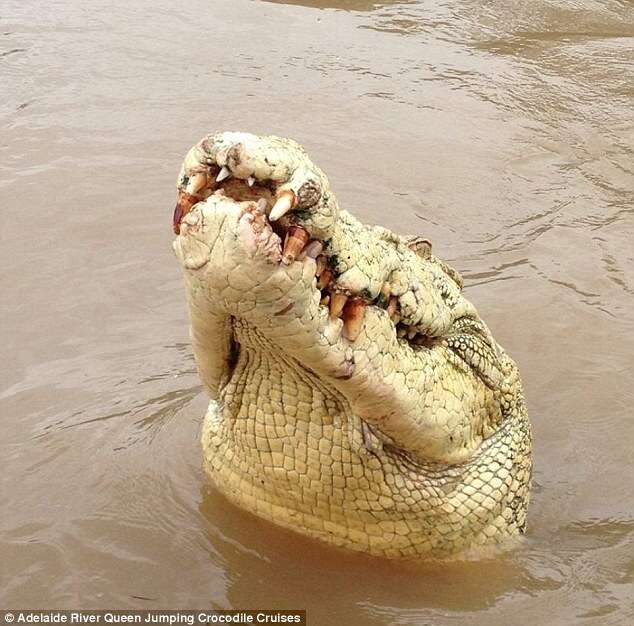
(356,396)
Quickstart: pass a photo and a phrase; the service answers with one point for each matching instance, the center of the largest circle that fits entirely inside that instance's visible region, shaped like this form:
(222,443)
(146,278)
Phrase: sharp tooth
(284,203)
(312,250)
(325,300)
(224,173)
(261,204)
(324,279)
(391,306)
(337,302)
(183,206)
(176,218)
(196,183)
(250,181)
(321,265)
(296,239)
(401,331)
(353,314)
(411,333)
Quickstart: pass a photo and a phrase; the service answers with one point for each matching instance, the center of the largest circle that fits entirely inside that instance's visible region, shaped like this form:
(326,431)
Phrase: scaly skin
(399,430)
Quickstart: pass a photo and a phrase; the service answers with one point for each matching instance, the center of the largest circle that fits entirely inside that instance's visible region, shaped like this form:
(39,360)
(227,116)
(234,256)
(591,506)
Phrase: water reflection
(333,583)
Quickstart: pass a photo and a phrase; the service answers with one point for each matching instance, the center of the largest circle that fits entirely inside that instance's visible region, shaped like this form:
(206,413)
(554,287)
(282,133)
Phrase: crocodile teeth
(321,265)
(401,332)
(312,250)
(250,181)
(391,306)
(224,173)
(296,239)
(176,219)
(196,183)
(411,333)
(183,206)
(284,203)
(261,203)
(324,279)
(353,314)
(337,302)
(325,301)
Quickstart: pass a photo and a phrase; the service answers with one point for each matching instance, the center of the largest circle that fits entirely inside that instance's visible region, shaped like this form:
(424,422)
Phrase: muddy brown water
(503,131)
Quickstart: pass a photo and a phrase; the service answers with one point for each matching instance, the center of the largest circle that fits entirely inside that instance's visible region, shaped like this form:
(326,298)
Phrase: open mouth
(271,209)
(274,208)
(215,179)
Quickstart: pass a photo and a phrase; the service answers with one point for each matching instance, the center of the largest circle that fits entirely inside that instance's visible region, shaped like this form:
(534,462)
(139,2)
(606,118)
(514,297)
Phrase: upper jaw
(248,167)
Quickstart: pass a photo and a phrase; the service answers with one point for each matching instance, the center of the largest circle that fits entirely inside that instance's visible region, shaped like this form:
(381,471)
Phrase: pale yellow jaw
(361,399)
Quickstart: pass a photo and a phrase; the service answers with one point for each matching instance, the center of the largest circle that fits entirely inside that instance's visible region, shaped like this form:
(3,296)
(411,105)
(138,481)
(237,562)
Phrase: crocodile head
(299,312)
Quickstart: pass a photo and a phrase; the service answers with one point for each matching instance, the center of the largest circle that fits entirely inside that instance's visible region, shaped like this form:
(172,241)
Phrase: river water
(502,131)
